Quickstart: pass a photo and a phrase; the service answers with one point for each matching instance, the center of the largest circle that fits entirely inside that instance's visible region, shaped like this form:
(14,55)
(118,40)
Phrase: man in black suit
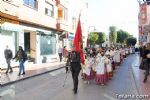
(75,67)
(8,57)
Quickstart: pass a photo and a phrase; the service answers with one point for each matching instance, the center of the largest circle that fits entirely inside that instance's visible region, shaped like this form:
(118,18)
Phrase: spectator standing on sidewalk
(65,53)
(74,58)
(60,52)
(147,57)
(8,56)
(22,57)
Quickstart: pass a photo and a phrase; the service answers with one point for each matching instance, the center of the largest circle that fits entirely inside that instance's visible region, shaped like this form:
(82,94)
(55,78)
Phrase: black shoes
(11,71)
(8,70)
(75,91)
(23,73)
(19,74)
(145,79)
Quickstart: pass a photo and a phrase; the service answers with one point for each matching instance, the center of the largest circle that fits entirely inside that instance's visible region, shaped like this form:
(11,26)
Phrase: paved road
(50,87)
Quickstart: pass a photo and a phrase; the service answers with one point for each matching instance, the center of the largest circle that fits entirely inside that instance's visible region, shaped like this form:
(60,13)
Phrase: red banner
(78,41)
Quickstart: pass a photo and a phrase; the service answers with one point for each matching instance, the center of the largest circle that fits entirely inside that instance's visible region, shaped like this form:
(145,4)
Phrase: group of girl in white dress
(102,66)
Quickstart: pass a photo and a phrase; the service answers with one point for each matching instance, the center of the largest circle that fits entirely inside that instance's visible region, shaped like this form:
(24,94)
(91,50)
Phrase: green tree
(112,34)
(131,41)
(101,38)
(122,36)
(92,38)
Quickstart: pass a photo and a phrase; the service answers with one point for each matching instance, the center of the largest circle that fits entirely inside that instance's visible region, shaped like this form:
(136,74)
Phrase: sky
(120,13)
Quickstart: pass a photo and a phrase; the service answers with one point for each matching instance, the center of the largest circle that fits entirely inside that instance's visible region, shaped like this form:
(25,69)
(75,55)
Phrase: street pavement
(49,86)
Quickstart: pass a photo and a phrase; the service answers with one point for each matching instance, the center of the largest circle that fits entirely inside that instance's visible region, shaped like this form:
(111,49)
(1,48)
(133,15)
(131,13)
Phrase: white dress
(126,50)
(87,67)
(108,65)
(100,67)
(117,56)
(130,50)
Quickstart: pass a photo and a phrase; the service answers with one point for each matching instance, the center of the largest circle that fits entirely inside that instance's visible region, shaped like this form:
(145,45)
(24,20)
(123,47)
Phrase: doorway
(27,42)
(30,45)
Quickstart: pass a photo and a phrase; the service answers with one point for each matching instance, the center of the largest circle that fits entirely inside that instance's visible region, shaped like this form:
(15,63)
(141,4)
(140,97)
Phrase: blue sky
(121,13)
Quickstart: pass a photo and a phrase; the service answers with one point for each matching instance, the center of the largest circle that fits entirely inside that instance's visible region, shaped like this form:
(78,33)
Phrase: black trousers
(60,56)
(75,68)
(147,72)
(8,66)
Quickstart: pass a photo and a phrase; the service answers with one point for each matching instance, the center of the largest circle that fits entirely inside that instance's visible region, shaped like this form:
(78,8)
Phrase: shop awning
(10,27)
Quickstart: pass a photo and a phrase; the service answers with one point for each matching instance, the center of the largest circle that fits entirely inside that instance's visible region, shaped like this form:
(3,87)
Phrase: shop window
(47,44)
(31,3)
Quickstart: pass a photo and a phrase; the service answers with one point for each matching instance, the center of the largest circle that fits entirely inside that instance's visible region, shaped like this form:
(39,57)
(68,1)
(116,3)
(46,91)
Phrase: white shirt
(60,50)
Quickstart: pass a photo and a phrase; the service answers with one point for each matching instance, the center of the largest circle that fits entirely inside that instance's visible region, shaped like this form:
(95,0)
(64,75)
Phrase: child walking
(88,73)
(101,71)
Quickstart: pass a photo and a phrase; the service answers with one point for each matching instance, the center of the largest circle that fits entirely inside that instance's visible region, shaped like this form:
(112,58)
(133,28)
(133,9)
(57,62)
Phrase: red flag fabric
(78,43)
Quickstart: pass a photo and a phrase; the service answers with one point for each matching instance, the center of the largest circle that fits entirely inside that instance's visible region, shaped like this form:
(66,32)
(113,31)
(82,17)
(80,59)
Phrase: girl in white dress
(130,50)
(112,56)
(121,54)
(117,57)
(88,73)
(109,67)
(101,71)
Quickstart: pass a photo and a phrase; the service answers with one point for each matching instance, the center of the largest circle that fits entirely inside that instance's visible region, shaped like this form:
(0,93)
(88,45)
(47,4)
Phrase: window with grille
(49,10)
(31,3)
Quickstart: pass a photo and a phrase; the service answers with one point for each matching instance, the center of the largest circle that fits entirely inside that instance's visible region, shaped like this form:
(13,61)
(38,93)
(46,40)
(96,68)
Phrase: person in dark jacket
(146,52)
(20,55)
(8,56)
(75,67)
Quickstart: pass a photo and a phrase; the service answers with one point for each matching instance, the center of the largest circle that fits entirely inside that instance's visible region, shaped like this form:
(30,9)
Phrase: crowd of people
(101,63)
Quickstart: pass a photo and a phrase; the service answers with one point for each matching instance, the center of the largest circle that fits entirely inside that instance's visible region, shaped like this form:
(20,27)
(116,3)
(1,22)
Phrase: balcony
(61,25)
(63,3)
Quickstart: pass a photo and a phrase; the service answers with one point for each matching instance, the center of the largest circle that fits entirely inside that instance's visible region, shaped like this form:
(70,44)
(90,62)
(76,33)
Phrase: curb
(28,77)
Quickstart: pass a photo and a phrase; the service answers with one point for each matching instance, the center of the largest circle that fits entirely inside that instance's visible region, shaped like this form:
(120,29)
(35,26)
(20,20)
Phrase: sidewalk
(143,88)
(31,71)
